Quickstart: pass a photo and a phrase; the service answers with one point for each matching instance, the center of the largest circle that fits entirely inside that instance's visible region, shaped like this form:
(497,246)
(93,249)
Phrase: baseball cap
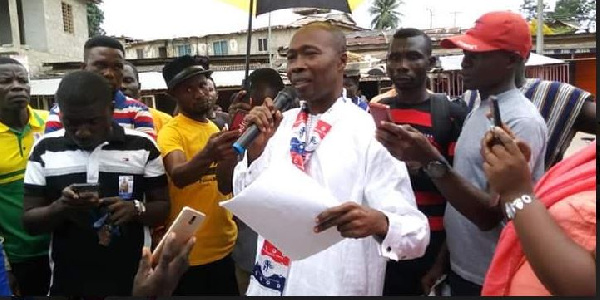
(501,30)
(181,69)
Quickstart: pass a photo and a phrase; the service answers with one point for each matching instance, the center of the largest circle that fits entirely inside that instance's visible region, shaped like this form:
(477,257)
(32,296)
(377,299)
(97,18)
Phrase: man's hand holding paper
(282,206)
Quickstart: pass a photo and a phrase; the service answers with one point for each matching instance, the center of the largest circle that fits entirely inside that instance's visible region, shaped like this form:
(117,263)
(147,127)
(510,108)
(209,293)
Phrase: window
(262,45)
(220,48)
(67,13)
(140,53)
(162,52)
(184,50)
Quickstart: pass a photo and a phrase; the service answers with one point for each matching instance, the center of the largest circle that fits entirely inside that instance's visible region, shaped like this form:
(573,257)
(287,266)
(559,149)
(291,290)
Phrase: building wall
(60,42)
(35,25)
(5,26)
(236,44)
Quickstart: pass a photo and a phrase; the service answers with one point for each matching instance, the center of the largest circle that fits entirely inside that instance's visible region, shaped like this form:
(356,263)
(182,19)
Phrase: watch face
(519,204)
(436,169)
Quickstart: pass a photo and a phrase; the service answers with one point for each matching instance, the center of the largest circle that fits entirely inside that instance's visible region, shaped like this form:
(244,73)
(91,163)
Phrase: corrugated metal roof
(149,80)
(453,62)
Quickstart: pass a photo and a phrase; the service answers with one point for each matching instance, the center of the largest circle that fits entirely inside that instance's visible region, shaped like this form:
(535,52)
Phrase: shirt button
(388,249)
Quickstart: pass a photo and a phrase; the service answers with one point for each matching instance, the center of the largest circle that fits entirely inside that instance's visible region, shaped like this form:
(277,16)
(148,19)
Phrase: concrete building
(43,31)
(232,44)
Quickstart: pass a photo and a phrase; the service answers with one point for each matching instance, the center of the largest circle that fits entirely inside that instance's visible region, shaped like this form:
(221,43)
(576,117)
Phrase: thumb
(146,262)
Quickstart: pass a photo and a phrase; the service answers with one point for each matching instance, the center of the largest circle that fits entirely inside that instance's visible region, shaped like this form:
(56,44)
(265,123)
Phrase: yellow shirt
(159,119)
(17,145)
(218,233)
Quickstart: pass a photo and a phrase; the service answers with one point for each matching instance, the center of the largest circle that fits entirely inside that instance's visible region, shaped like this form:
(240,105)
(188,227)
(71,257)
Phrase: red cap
(501,30)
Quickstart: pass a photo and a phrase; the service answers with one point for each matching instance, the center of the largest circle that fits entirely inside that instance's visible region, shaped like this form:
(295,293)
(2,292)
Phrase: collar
(117,136)
(119,99)
(35,120)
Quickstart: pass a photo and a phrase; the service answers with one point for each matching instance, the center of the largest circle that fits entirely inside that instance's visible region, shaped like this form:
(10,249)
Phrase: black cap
(181,69)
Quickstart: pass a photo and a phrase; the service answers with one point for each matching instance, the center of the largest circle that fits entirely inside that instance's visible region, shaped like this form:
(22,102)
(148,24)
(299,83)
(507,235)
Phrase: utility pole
(430,17)
(269,43)
(455,13)
(539,49)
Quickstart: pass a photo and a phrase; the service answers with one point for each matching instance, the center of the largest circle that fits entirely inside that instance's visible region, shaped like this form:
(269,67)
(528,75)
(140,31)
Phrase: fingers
(109,201)
(327,219)
(508,141)
(168,251)
(261,116)
(68,192)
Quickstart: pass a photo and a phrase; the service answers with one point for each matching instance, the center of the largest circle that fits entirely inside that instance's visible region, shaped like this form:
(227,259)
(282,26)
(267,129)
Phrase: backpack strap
(441,120)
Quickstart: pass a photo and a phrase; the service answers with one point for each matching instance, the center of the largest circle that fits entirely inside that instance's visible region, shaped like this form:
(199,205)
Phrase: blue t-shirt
(4,285)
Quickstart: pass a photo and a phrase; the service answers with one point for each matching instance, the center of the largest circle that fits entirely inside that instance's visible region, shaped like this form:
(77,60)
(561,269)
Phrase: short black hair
(338,36)
(134,68)
(8,60)
(405,33)
(83,88)
(268,77)
(102,41)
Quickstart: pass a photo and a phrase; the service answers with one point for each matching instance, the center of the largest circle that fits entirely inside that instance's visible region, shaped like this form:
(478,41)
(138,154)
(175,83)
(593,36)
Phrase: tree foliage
(95,17)
(385,14)
(580,12)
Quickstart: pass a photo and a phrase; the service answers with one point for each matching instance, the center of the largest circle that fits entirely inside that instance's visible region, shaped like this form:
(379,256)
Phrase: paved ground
(578,143)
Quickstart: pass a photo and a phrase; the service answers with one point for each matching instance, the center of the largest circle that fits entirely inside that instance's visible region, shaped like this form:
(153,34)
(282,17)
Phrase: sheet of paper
(281,205)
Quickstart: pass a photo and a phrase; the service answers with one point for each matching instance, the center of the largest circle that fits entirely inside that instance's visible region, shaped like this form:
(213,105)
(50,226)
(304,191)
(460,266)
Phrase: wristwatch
(139,207)
(517,204)
(438,168)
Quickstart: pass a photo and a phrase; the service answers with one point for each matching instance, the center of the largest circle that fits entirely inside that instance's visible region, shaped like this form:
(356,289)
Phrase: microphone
(283,99)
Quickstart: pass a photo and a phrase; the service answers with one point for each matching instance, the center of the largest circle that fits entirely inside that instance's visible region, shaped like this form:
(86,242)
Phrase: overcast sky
(154,19)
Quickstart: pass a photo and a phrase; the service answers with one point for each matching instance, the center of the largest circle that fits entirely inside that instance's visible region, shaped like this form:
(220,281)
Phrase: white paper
(282,205)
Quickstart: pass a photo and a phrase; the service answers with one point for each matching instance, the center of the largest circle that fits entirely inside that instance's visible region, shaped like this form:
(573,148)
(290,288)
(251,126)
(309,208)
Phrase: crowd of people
(438,195)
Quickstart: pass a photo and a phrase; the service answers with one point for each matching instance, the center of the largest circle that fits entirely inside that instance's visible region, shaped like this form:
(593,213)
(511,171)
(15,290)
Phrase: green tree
(529,9)
(385,14)
(581,12)
(95,18)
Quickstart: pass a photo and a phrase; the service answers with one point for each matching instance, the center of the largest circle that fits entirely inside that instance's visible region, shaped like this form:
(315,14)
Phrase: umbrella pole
(249,45)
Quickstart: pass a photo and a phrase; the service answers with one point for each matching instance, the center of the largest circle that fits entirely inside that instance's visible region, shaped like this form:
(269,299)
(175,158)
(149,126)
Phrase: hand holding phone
(82,195)
(380,112)
(185,226)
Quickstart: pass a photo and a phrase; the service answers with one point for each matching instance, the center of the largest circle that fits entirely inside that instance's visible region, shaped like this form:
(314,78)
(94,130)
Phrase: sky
(156,19)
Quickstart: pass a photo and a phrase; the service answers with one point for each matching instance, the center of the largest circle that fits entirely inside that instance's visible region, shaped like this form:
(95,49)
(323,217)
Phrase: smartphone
(185,226)
(85,188)
(238,118)
(380,112)
(496,111)
(495,107)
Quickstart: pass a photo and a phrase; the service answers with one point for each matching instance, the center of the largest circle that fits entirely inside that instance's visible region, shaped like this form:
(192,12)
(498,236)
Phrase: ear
(514,61)
(343,61)
(432,62)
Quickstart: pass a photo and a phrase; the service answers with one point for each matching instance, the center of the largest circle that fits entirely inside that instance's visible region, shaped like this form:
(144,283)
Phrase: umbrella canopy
(266,6)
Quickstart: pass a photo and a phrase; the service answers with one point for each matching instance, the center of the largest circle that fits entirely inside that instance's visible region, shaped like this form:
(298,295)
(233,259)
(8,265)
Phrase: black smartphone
(85,188)
(496,116)
(496,111)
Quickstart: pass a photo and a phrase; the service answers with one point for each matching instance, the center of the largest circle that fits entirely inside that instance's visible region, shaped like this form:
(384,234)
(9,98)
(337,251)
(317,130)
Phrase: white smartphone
(185,226)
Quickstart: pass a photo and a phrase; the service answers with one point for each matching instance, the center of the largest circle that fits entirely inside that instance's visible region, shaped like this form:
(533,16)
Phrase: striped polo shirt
(559,104)
(129,113)
(429,200)
(128,165)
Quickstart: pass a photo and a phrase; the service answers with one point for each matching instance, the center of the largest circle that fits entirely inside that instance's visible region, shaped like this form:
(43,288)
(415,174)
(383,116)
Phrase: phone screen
(380,112)
(496,111)
(85,188)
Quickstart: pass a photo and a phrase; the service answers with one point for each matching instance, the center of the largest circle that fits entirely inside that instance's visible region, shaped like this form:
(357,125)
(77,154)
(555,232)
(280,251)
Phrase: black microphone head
(285,97)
